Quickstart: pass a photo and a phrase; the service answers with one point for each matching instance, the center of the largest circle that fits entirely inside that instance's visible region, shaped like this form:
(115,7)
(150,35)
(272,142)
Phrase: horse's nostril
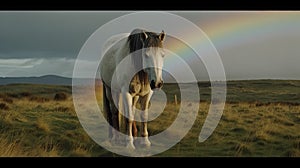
(160,84)
(152,84)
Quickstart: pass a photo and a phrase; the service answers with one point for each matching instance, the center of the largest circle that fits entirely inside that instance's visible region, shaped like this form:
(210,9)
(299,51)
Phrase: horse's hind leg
(112,116)
(107,111)
(134,130)
(115,118)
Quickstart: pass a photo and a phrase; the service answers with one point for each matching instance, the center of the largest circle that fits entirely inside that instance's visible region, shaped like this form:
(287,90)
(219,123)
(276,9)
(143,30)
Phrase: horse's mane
(137,41)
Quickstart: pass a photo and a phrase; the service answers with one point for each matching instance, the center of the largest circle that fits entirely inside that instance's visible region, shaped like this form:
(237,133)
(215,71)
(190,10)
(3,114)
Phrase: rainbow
(232,29)
(229,30)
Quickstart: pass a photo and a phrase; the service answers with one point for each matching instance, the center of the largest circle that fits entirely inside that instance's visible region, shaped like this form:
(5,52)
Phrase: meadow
(261,119)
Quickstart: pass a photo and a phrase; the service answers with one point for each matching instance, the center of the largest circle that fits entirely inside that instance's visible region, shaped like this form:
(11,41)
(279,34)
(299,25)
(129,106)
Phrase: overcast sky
(252,45)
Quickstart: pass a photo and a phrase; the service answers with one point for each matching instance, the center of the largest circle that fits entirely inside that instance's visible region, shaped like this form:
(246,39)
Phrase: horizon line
(241,79)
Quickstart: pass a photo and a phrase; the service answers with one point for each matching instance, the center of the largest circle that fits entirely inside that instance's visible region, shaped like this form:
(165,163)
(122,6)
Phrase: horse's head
(153,57)
(148,52)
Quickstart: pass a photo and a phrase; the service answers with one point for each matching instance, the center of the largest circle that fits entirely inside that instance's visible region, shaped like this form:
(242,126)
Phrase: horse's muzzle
(155,85)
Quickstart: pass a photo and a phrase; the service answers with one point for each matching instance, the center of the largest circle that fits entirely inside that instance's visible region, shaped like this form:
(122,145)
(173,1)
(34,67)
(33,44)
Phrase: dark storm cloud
(47,34)
(40,43)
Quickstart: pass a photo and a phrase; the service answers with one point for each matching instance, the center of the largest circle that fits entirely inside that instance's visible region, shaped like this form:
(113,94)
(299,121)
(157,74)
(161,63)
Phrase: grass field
(261,118)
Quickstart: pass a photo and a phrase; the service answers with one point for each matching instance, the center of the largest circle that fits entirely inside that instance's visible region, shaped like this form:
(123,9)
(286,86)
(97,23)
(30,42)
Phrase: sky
(251,44)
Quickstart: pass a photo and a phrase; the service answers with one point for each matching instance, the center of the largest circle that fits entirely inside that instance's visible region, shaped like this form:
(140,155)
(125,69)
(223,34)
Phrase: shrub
(60,96)
(2,95)
(13,95)
(25,94)
(3,106)
(38,99)
(8,100)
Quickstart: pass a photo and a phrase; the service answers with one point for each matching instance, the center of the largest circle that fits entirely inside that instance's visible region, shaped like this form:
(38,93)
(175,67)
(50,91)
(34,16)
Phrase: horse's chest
(137,88)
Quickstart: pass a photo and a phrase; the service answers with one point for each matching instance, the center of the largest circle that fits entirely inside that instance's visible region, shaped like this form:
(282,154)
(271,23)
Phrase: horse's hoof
(130,146)
(146,142)
(114,141)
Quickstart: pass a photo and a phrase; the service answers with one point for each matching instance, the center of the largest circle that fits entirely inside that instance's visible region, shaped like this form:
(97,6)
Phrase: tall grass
(258,120)
(11,149)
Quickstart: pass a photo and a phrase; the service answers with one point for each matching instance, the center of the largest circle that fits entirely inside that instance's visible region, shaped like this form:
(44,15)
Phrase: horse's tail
(106,110)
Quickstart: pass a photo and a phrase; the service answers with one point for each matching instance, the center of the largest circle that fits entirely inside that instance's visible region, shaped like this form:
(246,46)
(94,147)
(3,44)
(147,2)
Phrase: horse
(146,51)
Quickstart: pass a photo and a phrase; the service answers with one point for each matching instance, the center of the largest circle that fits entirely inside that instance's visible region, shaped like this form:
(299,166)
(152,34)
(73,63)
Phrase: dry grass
(11,149)
(42,125)
(35,127)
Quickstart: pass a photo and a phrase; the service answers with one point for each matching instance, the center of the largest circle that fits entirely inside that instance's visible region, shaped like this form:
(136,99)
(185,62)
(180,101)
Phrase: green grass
(261,118)
(246,130)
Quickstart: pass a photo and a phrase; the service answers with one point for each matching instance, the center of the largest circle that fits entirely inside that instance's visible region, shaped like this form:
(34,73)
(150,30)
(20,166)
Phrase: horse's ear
(144,36)
(162,36)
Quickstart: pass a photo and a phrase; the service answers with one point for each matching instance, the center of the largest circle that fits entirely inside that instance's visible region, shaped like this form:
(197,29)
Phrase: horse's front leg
(144,118)
(134,129)
(127,104)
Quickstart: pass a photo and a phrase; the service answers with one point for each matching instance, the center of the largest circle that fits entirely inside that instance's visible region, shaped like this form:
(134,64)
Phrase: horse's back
(113,40)
(113,50)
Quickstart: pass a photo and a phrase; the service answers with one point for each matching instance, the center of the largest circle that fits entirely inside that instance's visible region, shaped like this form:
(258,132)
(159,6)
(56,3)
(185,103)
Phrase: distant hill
(47,79)
(59,80)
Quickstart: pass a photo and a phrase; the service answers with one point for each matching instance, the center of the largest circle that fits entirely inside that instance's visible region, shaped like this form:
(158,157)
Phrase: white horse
(145,50)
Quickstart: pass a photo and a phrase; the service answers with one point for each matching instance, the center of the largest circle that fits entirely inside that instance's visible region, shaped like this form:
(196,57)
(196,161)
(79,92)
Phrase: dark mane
(137,42)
